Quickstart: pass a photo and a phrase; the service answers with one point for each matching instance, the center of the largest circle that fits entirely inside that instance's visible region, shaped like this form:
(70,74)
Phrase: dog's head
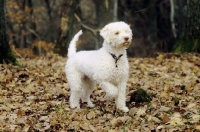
(117,34)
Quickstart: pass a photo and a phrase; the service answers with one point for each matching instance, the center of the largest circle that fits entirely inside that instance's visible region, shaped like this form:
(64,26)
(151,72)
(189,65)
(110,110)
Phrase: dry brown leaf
(195,118)
(191,105)
(164,109)
(141,112)
(92,128)
(160,127)
(176,119)
(21,112)
(197,127)
(166,119)
(164,94)
(84,126)
(26,128)
(151,125)
(154,119)
(53,122)
(90,115)
(116,122)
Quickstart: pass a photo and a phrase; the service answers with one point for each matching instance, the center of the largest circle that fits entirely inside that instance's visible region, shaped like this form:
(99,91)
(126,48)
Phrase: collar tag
(116,58)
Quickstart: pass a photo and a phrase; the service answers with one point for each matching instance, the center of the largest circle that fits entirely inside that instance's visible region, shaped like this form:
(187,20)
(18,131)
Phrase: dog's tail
(72,45)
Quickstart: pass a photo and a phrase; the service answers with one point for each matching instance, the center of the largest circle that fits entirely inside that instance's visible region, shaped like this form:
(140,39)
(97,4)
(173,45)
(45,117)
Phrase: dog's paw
(90,104)
(73,106)
(124,109)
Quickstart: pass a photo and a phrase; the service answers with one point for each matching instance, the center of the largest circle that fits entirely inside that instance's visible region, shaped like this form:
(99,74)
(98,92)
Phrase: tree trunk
(66,28)
(164,33)
(5,51)
(188,27)
(105,14)
(115,10)
(30,24)
(104,11)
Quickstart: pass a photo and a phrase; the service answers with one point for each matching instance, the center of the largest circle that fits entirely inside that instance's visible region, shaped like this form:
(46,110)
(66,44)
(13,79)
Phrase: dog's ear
(104,32)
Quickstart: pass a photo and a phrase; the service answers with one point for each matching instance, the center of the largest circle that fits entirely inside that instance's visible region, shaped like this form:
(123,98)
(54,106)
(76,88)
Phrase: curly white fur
(107,67)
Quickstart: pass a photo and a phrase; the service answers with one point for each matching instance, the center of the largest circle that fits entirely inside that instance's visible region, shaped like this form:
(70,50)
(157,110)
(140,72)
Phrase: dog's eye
(116,33)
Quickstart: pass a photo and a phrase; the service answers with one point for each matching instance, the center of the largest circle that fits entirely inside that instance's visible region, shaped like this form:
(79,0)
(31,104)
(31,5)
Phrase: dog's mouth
(126,44)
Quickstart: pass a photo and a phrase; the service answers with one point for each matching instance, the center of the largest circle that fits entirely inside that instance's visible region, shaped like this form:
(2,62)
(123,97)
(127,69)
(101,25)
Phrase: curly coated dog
(107,67)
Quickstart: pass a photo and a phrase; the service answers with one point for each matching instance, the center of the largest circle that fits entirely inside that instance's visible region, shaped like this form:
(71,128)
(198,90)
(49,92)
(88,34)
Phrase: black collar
(116,58)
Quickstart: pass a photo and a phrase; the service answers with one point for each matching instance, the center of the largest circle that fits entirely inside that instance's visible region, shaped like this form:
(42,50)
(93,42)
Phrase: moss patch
(140,95)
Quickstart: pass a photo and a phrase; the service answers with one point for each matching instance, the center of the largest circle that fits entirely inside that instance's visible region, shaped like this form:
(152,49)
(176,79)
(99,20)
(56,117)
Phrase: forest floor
(35,97)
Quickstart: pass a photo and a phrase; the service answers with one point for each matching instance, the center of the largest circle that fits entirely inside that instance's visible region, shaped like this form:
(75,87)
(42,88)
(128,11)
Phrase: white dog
(107,67)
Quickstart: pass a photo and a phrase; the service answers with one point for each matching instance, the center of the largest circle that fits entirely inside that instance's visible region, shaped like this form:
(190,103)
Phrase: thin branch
(33,32)
(77,17)
(93,31)
(146,8)
(13,48)
(85,26)
(89,28)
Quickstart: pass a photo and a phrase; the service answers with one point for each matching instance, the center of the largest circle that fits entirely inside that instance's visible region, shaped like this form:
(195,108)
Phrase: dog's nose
(126,38)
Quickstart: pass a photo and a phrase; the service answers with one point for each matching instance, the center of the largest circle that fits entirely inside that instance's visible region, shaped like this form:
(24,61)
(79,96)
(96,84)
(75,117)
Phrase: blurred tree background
(6,53)
(36,27)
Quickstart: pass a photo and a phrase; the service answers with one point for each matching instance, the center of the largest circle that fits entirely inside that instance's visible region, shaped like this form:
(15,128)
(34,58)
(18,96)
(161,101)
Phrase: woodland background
(163,91)
(37,27)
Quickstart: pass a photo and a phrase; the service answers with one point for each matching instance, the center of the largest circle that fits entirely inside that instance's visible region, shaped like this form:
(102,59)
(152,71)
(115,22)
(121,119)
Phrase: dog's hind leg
(75,84)
(88,87)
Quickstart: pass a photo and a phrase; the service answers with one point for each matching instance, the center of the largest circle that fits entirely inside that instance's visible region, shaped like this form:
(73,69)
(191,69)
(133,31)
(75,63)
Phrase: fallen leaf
(21,113)
(91,115)
(141,112)
(176,120)
(197,126)
(84,126)
(191,105)
(166,119)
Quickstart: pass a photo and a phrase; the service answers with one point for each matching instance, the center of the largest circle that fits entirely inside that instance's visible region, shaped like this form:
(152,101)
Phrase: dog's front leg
(120,100)
(110,89)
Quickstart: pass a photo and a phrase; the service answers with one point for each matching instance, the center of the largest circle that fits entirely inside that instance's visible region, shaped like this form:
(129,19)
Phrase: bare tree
(5,51)
(172,18)
(115,9)
(66,28)
(188,30)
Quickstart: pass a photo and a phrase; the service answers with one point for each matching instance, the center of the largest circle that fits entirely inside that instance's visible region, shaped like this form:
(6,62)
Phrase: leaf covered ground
(35,97)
